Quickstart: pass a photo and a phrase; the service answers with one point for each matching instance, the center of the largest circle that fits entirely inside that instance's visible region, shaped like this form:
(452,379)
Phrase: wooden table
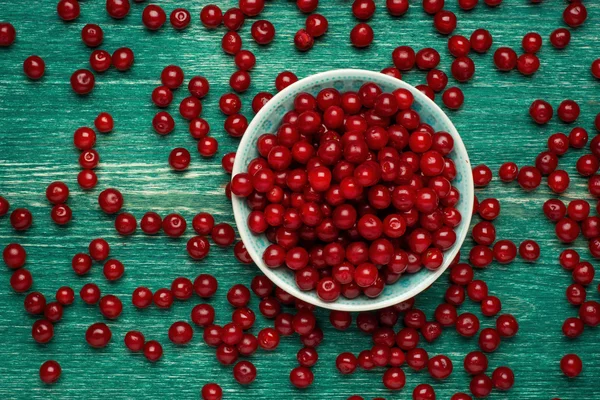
(37,121)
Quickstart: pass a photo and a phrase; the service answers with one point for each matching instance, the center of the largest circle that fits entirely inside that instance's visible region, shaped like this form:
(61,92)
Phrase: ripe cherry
(50,371)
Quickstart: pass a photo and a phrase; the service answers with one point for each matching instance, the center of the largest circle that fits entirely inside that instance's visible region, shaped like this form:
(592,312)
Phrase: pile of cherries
(353,190)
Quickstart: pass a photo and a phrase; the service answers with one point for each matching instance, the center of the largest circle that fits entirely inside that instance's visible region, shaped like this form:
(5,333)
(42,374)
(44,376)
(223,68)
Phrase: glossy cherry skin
(211,16)
(153,17)
(100,60)
(134,341)
(153,350)
(82,81)
(7,34)
(34,67)
(571,365)
(123,58)
(180,18)
(50,371)
(118,9)
(212,391)
(98,335)
(180,332)
(361,35)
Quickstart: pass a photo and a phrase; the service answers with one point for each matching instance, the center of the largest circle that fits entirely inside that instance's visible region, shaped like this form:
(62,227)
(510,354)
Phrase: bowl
(268,120)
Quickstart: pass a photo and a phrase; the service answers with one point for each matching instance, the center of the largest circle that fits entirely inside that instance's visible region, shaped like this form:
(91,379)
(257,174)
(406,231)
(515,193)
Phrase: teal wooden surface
(37,120)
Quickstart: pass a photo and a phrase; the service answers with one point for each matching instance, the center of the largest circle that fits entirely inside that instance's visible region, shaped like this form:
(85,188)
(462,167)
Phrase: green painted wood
(37,120)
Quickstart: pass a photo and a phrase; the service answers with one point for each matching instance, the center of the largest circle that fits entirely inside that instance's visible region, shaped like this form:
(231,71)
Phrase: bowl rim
(237,202)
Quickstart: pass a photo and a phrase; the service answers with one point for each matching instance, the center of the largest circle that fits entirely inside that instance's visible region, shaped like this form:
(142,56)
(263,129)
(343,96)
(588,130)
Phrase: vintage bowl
(267,121)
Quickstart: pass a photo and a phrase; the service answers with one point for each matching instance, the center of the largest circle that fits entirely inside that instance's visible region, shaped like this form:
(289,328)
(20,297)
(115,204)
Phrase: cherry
(172,76)
(205,285)
(65,296)
(444,22)
(424,391)
(529,178)
(123,58)
(84,139)
(361,35)
(212,391)
(439,367)
(98,335)
(134,341)
(113,270)
(572,327)
(481,40)
(153,17)
(110,306)
(153,350)
(211,16)
(92,35)
(578,138)
(100,60)
(163,298)
(316,25)
(104,122)
(568,111)
(110,201)
(53,311)
(203,315)
(558,181)
(251,8)
(575,15)
(245,60)
(198,86)
(462,69)
(7,34)
(284,79)
(42,331)
(14,256)
(244,372)
(180,332)
(571,365)
(505,59)
(528,64)
(68,10)
(21,280)
(481,385)
(307,6)
(589,312)
(394,378)
(459,46)
(90,293)
(180,18)
(174,225)
(50,371)
(540,111)
(34,303)
(233,19)
(427,58)
(179,159)
(34,67)
(489,340)
(529,250)
(467,4)
(118,9)
(207,146)
(532,42)
(397,8)
(263,32)
(82,81)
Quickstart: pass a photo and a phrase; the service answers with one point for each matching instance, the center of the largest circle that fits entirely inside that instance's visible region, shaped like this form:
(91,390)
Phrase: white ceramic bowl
(267,121)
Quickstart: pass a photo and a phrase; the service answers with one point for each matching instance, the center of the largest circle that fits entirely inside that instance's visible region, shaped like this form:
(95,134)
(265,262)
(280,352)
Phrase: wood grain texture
(37,120)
